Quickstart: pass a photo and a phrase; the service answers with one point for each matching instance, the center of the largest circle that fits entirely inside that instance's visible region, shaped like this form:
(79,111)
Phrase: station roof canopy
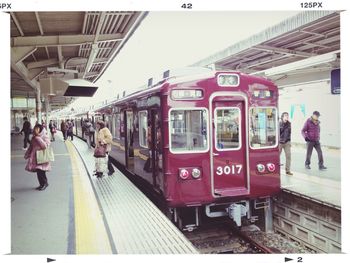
(65,45)
(308,34)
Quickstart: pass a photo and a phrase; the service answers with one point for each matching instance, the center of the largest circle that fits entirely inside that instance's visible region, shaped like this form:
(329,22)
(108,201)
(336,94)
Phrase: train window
(188,130)
(263,131)
(143,129)
(227,123)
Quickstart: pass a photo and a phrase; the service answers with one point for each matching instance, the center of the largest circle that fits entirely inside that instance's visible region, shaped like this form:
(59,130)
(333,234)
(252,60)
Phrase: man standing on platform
(311,134)
(285,135)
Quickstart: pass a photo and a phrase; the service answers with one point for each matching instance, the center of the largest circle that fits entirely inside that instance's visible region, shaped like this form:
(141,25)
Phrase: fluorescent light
(305,63)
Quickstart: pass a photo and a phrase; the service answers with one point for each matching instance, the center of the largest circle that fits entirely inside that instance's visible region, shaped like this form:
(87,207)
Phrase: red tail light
(184,174)
(271,167)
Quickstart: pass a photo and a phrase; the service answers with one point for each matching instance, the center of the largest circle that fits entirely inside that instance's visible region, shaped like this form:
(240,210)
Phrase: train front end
(221,145)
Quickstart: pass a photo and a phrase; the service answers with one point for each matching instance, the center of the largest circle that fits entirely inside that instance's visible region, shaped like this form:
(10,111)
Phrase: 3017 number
(228,170)
(187,6)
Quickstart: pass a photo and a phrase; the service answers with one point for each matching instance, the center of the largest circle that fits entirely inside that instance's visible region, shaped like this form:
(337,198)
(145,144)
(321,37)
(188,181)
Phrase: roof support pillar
(38,105)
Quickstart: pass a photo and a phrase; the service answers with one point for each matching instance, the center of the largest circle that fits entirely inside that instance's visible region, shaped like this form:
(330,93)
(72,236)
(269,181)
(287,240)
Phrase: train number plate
(233,169)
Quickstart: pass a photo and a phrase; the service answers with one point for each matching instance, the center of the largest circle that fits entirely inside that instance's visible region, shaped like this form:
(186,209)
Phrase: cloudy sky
(168,40)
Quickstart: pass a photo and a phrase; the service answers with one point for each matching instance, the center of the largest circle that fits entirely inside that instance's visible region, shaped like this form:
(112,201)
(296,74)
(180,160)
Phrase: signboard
(335,81)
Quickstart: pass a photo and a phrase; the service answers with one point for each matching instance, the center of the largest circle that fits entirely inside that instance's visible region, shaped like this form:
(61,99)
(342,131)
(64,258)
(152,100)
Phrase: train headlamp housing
(228,80)
(261,168)
(196,173)
(188,173)
(186,94)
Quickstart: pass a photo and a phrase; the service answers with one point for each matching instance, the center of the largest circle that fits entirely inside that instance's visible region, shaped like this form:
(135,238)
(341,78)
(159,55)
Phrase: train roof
(178,76)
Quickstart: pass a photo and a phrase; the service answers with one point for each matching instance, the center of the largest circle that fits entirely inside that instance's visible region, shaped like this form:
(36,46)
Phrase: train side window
(188,130)
(228,126)
(143,129)
(263,127)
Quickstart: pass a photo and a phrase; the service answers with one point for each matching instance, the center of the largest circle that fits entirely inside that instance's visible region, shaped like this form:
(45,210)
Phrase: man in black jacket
(285,134)
(27,129)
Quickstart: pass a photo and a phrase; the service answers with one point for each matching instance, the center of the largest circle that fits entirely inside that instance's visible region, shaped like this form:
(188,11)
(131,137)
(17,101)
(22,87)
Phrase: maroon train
(207,142)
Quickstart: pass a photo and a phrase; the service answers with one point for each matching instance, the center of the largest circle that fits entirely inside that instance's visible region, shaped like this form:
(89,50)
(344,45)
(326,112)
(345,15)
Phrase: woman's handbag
(100,151)
(45,156)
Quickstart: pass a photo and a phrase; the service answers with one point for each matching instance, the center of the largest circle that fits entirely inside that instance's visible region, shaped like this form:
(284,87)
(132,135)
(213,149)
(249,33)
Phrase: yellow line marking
(90,233)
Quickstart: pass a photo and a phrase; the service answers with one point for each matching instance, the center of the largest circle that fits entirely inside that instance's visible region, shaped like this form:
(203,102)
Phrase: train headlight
(260,167)
(184,174)
(196,173)
(271,167)
(228,80)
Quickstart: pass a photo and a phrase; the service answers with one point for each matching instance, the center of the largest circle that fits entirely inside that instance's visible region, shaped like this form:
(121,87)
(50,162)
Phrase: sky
(167,40)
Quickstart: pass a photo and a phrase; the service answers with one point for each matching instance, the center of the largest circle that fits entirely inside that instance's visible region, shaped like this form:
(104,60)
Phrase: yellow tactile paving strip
(136,224)
(90,232)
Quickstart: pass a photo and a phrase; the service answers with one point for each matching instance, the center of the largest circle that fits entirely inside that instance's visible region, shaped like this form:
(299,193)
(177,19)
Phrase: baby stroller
(100,160)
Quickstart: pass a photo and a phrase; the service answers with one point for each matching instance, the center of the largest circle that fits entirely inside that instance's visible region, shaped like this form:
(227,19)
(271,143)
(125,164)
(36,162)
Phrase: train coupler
(236,211)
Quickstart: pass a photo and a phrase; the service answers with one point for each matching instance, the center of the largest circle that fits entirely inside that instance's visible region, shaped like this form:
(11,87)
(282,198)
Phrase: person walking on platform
(40,141)
(104,137)
(89,131)
(311,134)
(285,138)
(64,130)
(52,128)
(70,126)
(26,129)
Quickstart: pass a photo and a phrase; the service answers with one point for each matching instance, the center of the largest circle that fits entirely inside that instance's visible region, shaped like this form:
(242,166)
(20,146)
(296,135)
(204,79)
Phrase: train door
(229,166)
(129,139)
(157,158)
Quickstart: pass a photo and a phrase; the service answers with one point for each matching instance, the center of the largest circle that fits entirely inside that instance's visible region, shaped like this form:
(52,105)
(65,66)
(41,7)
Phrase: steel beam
(94,47)
(42,63)
(14,18)
(39,23)
(63,40)
(19,54)
(283,51)
(60,57)
(32,74)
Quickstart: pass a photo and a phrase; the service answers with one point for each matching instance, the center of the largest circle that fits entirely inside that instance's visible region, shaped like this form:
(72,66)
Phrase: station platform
(80,214)
(320,186)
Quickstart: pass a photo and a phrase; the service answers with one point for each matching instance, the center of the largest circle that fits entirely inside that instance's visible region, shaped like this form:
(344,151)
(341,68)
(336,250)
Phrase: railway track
(222,238)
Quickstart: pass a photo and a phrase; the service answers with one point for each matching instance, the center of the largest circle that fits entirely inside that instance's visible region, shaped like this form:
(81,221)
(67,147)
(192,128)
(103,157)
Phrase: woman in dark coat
(40,141)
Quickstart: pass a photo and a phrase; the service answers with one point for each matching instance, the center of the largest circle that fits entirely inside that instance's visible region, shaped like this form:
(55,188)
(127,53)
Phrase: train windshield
(227,128)
(263,131)
(188,131)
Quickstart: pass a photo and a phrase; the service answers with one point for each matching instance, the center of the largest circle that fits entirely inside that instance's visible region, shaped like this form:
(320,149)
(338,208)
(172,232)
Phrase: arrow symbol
(50,260)
(287,259)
